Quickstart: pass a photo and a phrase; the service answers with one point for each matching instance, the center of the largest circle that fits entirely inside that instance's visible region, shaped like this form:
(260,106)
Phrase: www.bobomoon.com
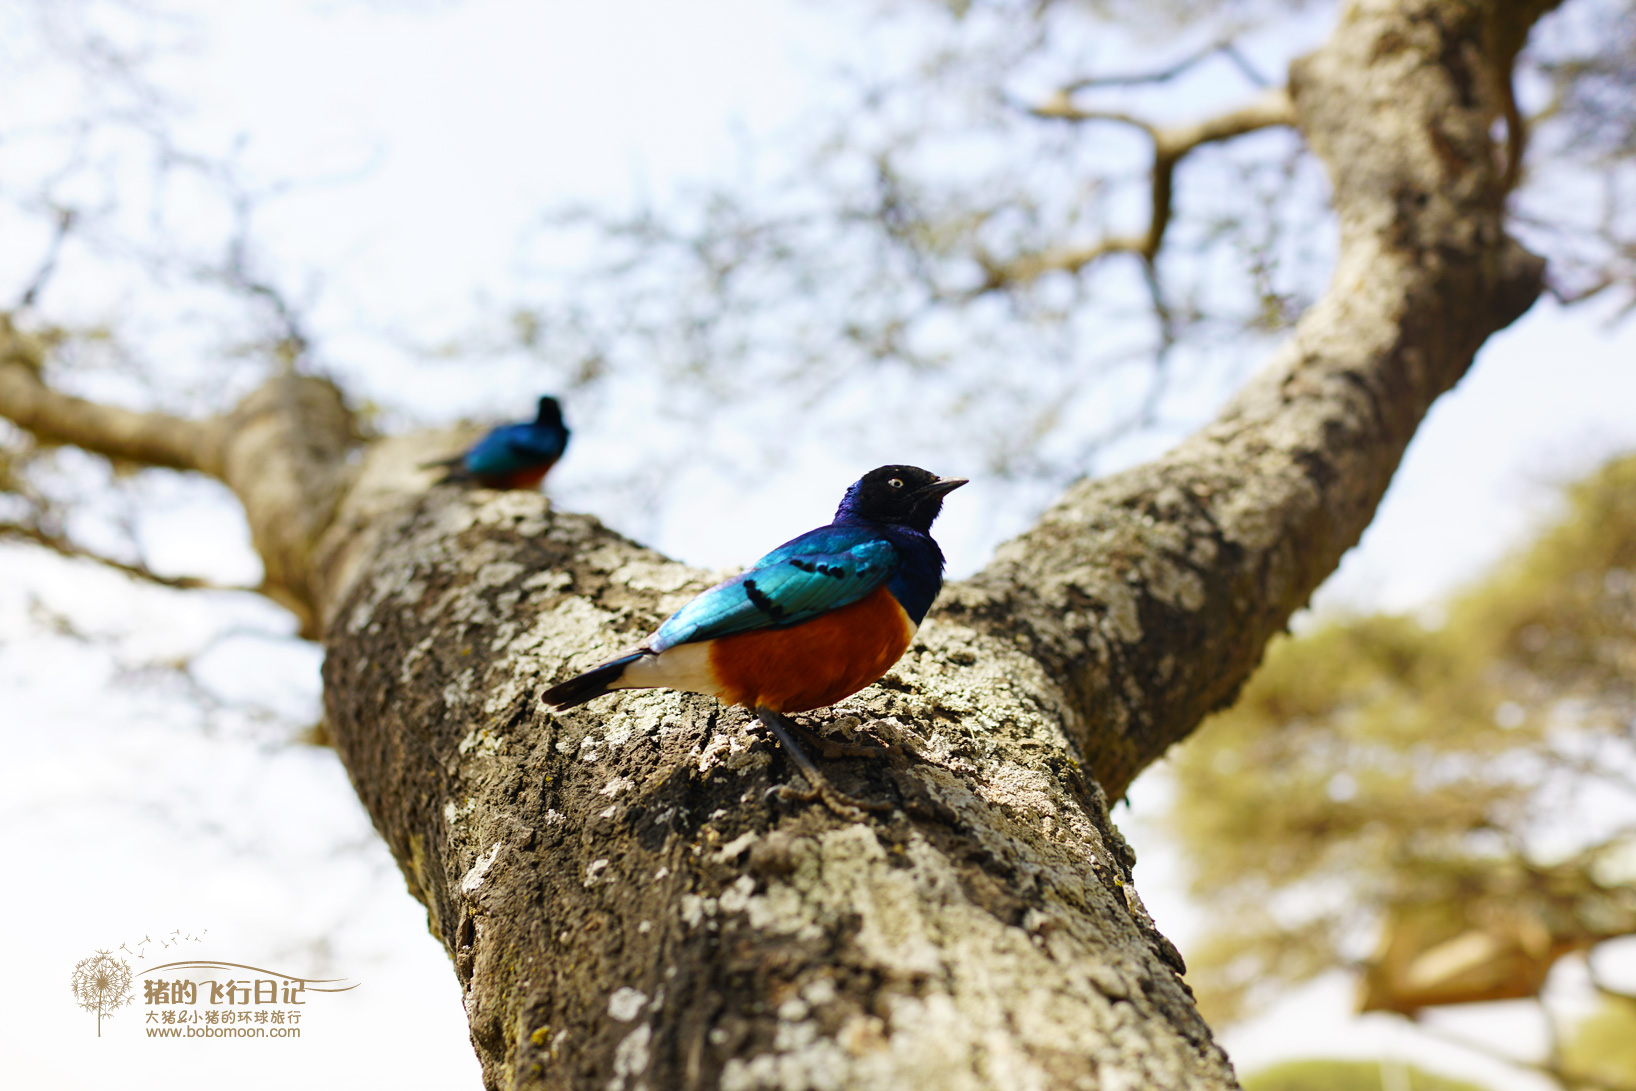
(224,1032)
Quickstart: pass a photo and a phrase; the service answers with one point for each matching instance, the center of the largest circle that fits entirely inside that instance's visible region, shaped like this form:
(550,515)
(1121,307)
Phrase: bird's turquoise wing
(822,570)
(494,453)
(531,444)
(513,447)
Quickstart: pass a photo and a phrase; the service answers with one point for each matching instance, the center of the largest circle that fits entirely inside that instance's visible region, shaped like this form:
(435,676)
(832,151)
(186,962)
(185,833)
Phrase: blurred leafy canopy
(1396,797)
(1602,1047)
(1321,1075)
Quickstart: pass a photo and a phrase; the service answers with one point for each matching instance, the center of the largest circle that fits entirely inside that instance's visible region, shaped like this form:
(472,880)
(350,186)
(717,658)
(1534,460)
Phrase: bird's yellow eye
(895,483)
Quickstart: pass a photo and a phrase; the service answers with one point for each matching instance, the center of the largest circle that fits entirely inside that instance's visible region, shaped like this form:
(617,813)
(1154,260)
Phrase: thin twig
(65,548)
(1165,75)
(294,343)
(48,264)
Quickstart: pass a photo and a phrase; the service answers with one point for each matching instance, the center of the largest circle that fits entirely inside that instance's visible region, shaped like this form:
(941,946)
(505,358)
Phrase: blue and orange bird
(814,621)
(512,456)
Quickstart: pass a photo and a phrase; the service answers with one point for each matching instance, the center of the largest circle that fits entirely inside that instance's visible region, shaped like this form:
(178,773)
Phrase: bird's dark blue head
(550,415)
(904,496)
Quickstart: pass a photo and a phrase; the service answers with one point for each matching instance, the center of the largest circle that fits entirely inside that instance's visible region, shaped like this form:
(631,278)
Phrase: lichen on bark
(630,849)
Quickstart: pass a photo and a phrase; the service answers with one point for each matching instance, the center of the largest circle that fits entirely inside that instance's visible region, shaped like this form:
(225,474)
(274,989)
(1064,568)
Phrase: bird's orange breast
(517,479)
(817,662)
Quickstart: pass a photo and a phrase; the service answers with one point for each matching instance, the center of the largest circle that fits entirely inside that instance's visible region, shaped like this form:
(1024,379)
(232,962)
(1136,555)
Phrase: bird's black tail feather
(451,467)
(452,460)
(593,683)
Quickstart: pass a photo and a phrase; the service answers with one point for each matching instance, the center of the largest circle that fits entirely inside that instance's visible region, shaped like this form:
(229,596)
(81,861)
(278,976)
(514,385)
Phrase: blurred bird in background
(512,456)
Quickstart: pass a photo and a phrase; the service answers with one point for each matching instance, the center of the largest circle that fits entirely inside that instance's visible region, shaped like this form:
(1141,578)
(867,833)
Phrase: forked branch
(1171,144)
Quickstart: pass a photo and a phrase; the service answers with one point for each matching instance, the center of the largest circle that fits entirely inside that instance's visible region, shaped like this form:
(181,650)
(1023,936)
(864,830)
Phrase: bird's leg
(819,786)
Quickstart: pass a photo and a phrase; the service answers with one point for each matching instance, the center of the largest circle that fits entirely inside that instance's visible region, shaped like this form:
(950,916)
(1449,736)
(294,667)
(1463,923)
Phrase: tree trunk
(628,909)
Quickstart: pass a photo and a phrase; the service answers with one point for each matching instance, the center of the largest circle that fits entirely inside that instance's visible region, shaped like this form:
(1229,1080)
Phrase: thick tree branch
(625,904)
(147,439)
(287,462)
(1148,596)
(283,451)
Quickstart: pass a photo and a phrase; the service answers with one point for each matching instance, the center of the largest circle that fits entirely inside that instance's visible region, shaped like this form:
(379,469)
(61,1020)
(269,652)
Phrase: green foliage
(1350,1076)
(1383,787)
(1603,1047)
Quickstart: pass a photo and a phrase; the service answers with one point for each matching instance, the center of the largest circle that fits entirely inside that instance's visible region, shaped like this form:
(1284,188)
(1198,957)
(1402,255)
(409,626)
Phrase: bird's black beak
(941,487)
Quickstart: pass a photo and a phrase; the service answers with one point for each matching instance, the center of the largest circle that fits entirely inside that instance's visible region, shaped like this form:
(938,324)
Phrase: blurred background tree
(1600,1050)
(1447,807)
(1351,1076)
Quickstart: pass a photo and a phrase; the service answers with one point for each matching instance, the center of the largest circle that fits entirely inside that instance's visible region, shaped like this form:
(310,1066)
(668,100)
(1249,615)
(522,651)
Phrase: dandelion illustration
(102,983)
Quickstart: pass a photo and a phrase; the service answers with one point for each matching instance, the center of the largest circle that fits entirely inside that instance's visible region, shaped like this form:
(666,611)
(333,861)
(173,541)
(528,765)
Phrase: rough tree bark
(624,905)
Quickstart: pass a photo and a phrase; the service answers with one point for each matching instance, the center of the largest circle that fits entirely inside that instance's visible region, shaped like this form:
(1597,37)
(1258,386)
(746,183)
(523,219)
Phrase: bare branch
(63,547)
(1170,145)
(1272,108)
(149,439)
(283,451)
(48,264)
(1569,296)
(1060,107)
(293,342)
(1070,259)
(1165,75)
(1136,605)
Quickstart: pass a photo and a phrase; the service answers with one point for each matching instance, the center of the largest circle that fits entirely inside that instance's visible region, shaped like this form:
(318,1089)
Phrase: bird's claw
(839,802)
(819,787)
